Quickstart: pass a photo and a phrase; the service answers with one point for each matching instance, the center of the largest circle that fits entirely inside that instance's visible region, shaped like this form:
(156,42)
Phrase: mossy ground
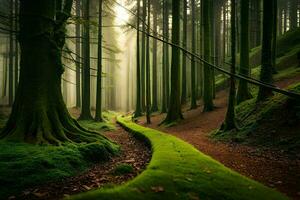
(24,165)
(274,123)
(179,171)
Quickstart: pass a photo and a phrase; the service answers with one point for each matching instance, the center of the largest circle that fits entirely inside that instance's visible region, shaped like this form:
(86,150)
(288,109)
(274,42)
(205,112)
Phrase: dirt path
(271,168)
(134,153)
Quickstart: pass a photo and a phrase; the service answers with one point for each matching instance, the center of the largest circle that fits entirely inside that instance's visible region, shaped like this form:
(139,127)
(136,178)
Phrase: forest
(150,100)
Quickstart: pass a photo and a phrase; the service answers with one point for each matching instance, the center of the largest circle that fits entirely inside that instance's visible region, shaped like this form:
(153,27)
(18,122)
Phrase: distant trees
(193,60)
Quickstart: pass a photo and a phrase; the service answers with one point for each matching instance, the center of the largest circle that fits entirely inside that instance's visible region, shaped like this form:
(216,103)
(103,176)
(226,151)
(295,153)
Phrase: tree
(143,66)
(184,43)
(138,111)
(274,41)
(98,115)
(11,56)
(86,90)
(39,114)
(230,123)
(154,60)
(78,50)
(208,90)
(243,90)
(193,62)
(148,92)
(293,14)
(266,59)
(16,46)
(165,63)
(174,111)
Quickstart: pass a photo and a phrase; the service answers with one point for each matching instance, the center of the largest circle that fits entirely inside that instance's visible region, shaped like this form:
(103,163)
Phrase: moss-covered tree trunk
(184,65)
(193,61)
(266,60)
(274,41)
(208,90)
(98,114)
(86,89)
(11,55)
(138,109)
(174,111)
(39,114)
(243,90)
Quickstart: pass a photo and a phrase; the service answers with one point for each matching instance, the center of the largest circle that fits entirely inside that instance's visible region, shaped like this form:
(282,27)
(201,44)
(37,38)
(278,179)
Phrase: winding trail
(272,168)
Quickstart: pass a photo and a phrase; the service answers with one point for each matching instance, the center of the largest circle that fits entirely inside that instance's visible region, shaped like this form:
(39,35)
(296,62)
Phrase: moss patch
(179,171)
(123,169)
(274,123)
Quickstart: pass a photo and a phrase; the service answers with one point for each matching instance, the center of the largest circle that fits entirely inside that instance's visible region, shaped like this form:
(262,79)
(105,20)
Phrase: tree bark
(184,65)
(243,93)
(174,111)
(193,61)
(266,60)
(78,53)
(208,92)
(98,115)
(148,82)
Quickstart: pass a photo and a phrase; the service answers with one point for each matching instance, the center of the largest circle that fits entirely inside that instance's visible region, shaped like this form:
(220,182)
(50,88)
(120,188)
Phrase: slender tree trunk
(148,82)
(11,56)
(193,61)
(208,91)
(78,53)
(98,115)
(39,114)
(274,41)
(174,111)
(266,60)
(165,62)
(138,111)
(154,61)
(293,14)
(143,70)
(86,96)
(16,45)
(243,90)
(184,65)
(229,122)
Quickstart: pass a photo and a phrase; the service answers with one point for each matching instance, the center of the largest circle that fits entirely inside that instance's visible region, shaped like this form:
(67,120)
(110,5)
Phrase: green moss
(123,169)
(272,123)
(25,165)
(107,125)
(179,171)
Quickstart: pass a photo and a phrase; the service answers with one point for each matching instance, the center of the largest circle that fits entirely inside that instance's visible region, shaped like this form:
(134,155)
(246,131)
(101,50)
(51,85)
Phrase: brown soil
(269,167)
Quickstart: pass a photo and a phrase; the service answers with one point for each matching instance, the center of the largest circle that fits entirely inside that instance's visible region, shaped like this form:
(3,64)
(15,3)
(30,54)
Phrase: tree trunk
(143,70)
(11,57)
(174,111)
(148,89)
(138,111)
(243,91)
(86,89)
(266,60)
(184,66)
(229,123)
(274,41)
(39,114)
(293,14)
(78,50)
(16,46)
(98,115)
(193,61)
(154,61)
(208,91)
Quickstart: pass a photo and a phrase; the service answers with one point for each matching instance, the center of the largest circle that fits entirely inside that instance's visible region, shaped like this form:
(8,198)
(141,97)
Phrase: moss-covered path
(179,171)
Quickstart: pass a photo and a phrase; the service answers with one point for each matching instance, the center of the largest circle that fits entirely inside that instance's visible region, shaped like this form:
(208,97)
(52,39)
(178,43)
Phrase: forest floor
(132,160)
(271,167)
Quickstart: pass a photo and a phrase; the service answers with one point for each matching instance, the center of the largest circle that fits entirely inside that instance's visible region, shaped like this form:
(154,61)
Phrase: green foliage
(179,171)
(123,169)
